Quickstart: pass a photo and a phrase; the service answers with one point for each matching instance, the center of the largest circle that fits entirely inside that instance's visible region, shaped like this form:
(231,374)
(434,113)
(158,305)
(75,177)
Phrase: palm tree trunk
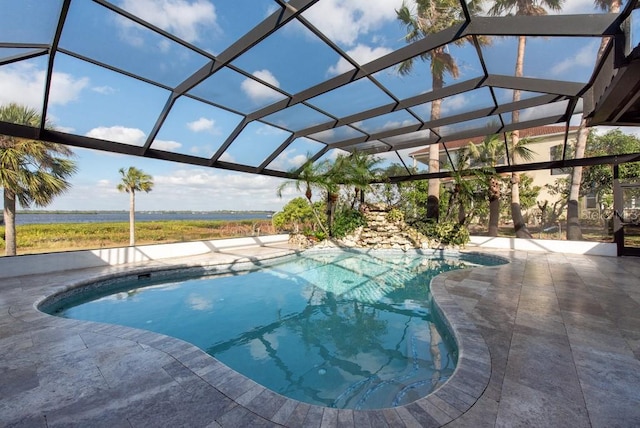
(574,232)
(516,211)
(132,218)
(494,206)
(433,199)
(315,213)
(9,222)
(331,210)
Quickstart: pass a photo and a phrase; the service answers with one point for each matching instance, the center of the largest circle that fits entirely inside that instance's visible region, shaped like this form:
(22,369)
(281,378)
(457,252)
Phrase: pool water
(337,329)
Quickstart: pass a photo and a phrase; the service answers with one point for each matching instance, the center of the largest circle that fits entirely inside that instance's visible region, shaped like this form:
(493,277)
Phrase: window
(555,154)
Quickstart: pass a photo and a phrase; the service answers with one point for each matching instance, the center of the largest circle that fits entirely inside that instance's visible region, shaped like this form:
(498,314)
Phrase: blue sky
(93,101)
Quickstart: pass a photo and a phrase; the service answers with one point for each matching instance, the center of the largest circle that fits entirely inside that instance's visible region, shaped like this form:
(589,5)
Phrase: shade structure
(260,85)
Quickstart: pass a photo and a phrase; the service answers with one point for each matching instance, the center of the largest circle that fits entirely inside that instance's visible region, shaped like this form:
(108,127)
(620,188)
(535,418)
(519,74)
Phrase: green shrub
(346,221)
(447,233)
(395,215)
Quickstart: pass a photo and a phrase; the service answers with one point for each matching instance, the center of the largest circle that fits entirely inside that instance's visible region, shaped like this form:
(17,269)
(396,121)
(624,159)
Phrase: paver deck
(546,340)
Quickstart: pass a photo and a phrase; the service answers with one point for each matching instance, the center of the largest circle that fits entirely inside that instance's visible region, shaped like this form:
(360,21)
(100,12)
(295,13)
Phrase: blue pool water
(337,329)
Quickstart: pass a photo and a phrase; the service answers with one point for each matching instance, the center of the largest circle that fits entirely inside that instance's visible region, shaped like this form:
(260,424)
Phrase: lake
(123,216)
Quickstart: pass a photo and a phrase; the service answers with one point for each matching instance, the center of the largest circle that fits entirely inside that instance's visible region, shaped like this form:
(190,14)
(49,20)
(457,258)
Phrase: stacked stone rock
(381,232)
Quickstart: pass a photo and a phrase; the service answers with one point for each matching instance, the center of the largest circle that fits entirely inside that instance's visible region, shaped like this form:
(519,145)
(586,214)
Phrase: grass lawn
(41,238)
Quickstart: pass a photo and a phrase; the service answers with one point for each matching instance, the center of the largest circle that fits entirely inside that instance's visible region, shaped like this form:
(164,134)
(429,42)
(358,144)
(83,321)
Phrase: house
(546,143)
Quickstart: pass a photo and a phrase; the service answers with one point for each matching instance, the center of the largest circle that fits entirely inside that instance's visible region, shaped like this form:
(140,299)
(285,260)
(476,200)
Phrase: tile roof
(538,131)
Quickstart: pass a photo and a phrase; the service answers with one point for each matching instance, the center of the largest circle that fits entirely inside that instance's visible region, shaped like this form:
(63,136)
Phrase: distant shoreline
(88,212)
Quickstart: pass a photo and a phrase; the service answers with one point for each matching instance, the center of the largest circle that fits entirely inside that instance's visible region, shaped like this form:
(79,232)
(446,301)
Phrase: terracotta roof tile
(537,131)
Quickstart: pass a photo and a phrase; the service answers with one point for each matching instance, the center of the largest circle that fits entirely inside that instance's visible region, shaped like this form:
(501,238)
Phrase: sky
(89,100)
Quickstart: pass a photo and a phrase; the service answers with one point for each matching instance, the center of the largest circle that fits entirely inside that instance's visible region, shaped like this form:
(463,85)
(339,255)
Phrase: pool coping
(452,399)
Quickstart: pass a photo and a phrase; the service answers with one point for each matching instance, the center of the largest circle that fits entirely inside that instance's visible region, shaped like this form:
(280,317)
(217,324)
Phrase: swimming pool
(333,328)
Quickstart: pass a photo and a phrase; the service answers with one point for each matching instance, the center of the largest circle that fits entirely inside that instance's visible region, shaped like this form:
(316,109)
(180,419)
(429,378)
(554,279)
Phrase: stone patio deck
(547,340)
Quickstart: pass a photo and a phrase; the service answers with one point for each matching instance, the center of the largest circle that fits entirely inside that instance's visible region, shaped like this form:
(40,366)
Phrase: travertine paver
(547,340)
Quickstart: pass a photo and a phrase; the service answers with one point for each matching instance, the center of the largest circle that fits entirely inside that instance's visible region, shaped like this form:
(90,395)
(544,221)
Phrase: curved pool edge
(448,402)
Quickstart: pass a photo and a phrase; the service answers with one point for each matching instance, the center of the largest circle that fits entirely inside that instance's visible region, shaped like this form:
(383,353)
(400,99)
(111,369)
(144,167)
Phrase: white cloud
(362,54)
(288,160)
(576,6)
(345,21)
(204,125)
(585,57)
(23,83)
(454,103)
(104,90)
(166,145)
(226,157)
(181,17)
(118,134)
(259,92)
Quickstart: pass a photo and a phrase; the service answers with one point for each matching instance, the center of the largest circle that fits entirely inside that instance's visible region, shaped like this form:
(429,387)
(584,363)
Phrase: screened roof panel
(210,26)
(559,58)
(297,117)
(81,87)
(195,128)
(352,98)
(363,32)
(29,21)
(335,135)
(293,57)
(391,164)
(394,120)
(102,35)
(24,80)
(296,154)
(237,91)
(258,82)
(254,144)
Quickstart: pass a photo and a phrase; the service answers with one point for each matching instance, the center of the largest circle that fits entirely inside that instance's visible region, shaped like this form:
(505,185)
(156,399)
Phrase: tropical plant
(297,212)
(312,175)
(134,180)
(31,171)
(426,18)
(574,231)
(347,220)
(463,187)
(519,8)
(488,154)
(598,179)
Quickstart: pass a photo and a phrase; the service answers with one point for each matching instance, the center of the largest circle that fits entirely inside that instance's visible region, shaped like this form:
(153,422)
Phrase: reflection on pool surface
(338,329)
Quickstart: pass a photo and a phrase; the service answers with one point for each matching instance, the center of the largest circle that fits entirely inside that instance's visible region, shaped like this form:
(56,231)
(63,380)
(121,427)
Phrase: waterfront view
(54,217)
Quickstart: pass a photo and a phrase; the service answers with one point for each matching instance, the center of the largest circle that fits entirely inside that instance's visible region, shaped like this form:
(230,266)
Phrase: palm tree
(427,18)
(311,175)
(460,187)
(574,232)
(134,180)
(31,172)
(490,153)
(529,8)
(357,170)
(430,17)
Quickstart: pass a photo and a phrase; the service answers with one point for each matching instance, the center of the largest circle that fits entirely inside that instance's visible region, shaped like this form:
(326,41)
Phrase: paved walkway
(547,340)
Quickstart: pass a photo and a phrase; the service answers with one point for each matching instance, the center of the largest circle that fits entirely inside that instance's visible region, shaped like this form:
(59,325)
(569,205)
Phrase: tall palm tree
(312,175)
(426,18)
(574,232)
(490,153)
(529,8)
(31,172)
(134,180)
